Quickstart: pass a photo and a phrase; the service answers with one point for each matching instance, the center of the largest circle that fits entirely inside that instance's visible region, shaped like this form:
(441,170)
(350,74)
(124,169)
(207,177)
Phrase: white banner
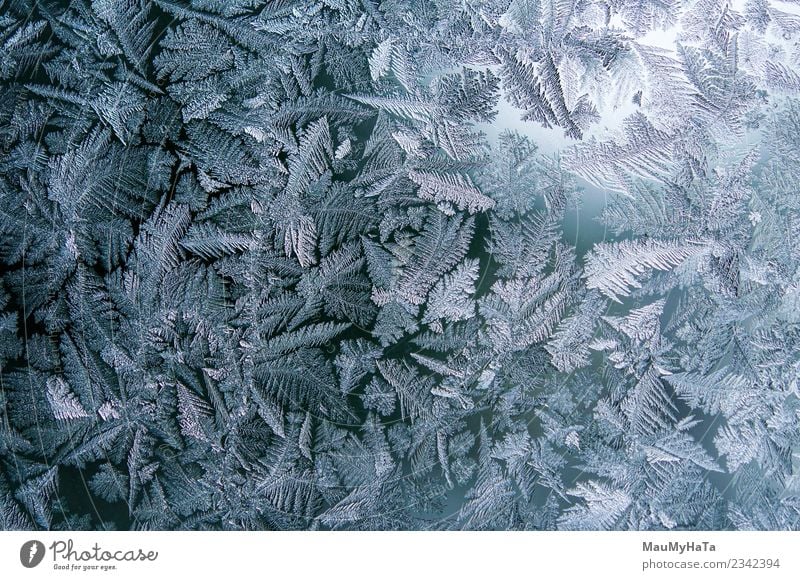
(406,555)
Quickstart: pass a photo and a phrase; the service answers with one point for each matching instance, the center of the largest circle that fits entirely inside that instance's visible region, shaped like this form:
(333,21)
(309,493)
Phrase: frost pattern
(319,264)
